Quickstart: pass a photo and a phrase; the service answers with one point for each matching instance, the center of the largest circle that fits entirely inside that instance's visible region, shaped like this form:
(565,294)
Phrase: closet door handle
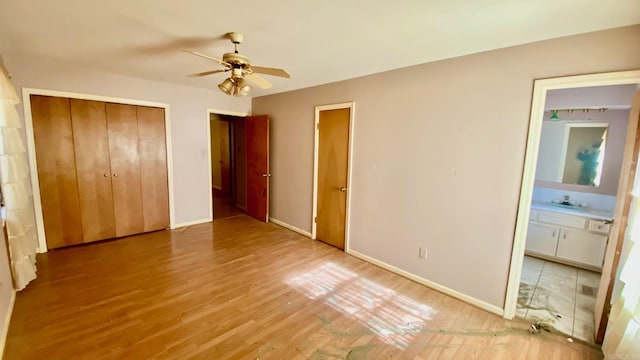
(115,175)
(105,175)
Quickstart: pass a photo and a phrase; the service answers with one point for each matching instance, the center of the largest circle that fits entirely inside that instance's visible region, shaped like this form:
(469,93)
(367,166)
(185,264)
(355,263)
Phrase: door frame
(217,112)
(31,153)
(541,86)
(316,143)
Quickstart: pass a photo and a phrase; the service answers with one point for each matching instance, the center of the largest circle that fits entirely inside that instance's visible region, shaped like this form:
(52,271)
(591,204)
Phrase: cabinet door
(91,146)
(581,246)
(122,125)
(56,170)
(153,168)
(542,239)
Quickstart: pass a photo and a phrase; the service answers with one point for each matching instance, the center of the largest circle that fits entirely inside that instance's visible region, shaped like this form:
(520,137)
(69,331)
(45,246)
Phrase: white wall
(188,110)
(438,154)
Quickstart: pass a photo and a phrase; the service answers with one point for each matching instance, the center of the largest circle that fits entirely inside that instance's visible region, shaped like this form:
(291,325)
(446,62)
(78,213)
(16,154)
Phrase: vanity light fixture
(554,113)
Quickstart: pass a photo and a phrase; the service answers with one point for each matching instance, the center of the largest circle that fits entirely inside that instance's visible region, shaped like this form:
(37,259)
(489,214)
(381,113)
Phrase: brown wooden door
(122,127)
(257,140)
(225,157)
(333,150)
(91,147)
(153,168)
(55,157)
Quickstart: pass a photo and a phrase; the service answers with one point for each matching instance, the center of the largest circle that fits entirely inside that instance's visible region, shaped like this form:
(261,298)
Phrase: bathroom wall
(593,96)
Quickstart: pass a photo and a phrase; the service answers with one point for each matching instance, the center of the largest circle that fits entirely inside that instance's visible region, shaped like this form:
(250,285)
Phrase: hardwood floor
(223,206)
(237,289)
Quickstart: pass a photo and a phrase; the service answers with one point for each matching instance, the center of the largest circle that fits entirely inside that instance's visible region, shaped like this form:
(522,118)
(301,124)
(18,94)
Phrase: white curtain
(622,339)
(16,190)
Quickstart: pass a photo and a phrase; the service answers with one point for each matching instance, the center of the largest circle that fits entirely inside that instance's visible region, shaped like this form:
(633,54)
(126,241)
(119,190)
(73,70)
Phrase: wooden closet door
(153,168)
(91,143)
(53,137)
(122,126)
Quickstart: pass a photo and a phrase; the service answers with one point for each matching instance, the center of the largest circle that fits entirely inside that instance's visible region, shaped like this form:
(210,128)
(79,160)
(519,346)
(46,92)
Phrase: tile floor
(559,295)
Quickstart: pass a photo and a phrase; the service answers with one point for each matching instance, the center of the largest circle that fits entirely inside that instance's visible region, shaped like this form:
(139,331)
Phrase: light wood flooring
(240,289)
(223,206)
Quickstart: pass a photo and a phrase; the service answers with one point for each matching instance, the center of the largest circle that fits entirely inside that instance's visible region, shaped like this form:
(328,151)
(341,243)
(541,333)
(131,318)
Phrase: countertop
(591,213)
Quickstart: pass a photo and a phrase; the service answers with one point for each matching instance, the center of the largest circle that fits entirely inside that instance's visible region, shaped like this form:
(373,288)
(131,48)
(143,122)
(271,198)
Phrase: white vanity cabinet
(542,239)
(581,246)
(566,238)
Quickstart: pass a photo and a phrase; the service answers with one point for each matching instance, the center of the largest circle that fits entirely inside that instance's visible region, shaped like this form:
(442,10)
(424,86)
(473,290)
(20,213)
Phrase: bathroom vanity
(576,237)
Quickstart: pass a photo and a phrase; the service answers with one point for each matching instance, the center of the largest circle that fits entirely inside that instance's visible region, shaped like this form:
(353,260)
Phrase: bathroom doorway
(532,279)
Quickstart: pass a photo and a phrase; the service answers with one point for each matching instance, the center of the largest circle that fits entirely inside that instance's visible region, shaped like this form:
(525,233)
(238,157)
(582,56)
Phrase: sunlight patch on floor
(393,317)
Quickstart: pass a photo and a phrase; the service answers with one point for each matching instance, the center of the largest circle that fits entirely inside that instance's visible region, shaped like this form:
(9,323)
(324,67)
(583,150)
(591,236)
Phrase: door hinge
(315,219)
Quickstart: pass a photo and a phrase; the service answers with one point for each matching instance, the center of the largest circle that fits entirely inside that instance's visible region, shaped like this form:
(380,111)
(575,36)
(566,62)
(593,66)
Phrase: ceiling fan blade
(205,73)
(262,83)
(206,57)
(271,71)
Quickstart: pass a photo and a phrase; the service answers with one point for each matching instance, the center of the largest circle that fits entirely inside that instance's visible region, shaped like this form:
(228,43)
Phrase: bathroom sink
(567,206)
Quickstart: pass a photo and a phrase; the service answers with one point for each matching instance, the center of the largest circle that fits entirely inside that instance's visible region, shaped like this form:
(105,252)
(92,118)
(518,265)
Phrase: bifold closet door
(153,168)
(55,157)
(122,125)
(91,145)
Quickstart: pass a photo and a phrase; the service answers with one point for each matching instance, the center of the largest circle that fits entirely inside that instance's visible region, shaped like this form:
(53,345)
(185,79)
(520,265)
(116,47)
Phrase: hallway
(223,206)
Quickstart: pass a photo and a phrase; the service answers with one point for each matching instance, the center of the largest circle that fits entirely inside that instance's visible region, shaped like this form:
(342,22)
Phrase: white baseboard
(443,289)
(7,321)
(189,223)
(290,227)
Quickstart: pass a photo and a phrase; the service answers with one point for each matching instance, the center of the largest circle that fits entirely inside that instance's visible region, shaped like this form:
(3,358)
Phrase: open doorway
(228,165)
(584,131)
(239,164)
(564,242)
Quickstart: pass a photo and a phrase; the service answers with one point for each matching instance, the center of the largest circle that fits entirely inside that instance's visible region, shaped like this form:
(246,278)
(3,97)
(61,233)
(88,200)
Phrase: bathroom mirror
(572,152)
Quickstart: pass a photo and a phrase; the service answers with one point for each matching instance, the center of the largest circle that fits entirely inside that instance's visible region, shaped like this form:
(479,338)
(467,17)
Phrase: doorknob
(266,175)
(343,189)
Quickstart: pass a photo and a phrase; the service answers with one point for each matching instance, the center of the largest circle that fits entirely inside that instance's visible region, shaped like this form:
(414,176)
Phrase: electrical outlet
(422,252)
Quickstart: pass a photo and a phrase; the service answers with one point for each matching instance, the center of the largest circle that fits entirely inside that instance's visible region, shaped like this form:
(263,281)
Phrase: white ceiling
(317,42)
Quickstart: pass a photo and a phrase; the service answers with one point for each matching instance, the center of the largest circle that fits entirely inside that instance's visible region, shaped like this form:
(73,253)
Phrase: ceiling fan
(241,69)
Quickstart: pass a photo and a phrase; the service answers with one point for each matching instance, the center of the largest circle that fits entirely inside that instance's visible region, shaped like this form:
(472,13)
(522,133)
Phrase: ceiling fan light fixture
(243,88)
(241,71)
(227,86)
